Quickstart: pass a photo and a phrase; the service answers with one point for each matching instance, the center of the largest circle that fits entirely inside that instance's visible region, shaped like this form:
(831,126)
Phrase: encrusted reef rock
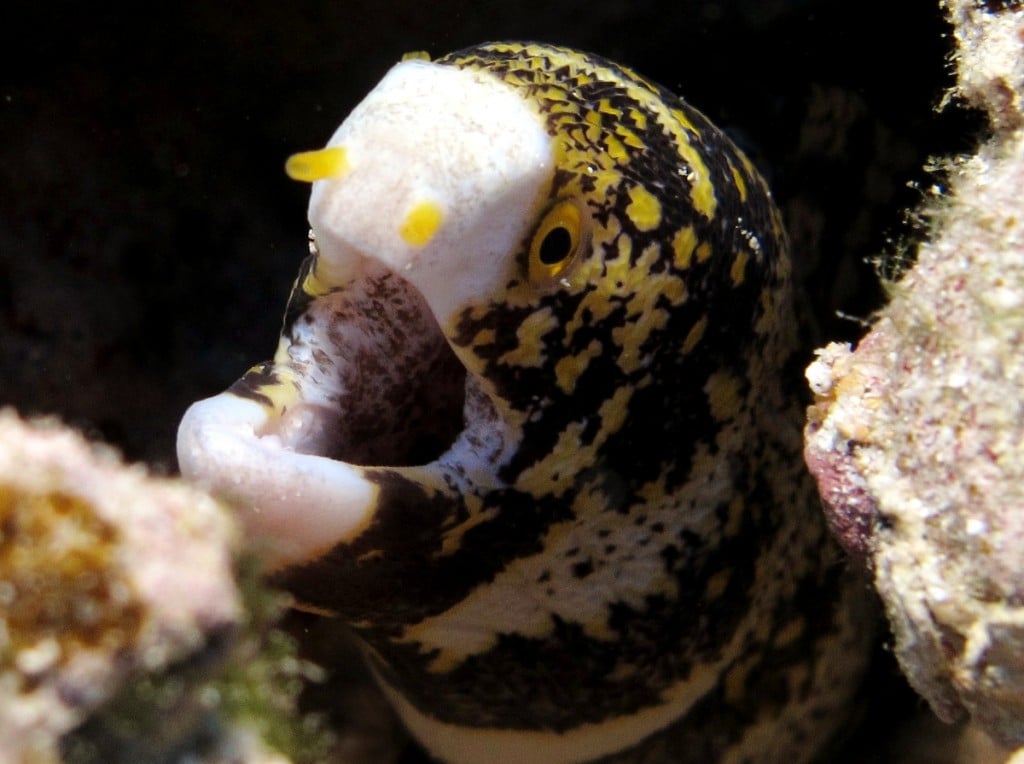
(119,613)
(917,437)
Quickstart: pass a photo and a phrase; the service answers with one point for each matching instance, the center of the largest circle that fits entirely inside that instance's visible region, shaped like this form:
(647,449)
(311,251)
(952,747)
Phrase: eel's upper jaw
(437,176)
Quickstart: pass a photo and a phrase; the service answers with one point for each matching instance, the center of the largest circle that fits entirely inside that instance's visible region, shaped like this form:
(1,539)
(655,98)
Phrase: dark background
(148,236)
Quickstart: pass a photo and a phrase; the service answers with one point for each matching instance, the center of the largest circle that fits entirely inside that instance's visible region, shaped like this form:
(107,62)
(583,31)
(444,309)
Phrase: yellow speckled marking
(643,302)
(616,150)
(735,684)
(723,391)
(734,519)
(554,476)
(644,209)
(484,337)
(283,393)
(630,138)
(569,368)
(703,195)
(738,270)
(530,333)
(791,631)
(613,413)
(715,586)
(695,335)
(683,244)
(741,184)
(551,476)
(308,166)
(421,223)
(605,107)
(598,628)
(453,539)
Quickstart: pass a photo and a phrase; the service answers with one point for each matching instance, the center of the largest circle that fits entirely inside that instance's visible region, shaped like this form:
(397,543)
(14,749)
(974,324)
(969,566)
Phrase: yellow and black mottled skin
(659,418)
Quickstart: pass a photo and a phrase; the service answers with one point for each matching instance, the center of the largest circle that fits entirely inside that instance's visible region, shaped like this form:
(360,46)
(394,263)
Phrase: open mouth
(363,378)
(378,383)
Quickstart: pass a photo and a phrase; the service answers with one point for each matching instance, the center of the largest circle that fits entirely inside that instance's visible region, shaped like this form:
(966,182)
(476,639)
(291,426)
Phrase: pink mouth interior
(381,385)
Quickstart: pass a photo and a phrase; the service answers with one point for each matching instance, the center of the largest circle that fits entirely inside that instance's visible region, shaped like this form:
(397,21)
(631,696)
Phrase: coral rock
(106,574)
(917,437)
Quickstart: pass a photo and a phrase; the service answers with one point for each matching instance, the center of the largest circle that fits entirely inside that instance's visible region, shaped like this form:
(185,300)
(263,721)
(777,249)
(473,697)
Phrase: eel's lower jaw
(293,506)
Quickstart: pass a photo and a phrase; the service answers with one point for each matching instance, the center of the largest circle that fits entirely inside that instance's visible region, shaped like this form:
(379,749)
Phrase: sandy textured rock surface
(917,437)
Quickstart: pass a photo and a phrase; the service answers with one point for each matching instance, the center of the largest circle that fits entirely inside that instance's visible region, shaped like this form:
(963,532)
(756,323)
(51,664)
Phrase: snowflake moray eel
(532,427)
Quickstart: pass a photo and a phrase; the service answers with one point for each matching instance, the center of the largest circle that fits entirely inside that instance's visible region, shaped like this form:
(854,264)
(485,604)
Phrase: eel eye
(563,233)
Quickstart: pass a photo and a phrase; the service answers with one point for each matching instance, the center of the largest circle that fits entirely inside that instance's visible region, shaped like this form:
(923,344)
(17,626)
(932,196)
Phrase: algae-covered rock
(917,437)
(105,573)
(123,635)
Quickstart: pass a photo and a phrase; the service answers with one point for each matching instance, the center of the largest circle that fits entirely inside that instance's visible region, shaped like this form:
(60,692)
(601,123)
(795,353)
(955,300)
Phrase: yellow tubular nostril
(325,163)
(421,223)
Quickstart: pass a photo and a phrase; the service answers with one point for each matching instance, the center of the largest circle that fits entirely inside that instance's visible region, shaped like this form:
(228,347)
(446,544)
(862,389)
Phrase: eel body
(532,428)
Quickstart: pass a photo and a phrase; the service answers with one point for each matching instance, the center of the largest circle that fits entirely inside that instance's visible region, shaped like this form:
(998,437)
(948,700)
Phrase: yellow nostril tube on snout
(308,166)
(421,223)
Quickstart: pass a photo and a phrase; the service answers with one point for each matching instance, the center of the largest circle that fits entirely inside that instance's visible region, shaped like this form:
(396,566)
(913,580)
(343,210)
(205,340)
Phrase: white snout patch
(445,170)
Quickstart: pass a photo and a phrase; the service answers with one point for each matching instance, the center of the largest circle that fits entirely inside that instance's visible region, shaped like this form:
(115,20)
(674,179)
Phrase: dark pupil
(556,245)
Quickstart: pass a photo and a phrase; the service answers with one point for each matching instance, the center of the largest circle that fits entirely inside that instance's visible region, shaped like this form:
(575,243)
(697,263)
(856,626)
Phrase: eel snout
(410,228)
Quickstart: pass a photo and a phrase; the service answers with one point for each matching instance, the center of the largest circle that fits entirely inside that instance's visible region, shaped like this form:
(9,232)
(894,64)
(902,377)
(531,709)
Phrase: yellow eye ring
(558,241)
